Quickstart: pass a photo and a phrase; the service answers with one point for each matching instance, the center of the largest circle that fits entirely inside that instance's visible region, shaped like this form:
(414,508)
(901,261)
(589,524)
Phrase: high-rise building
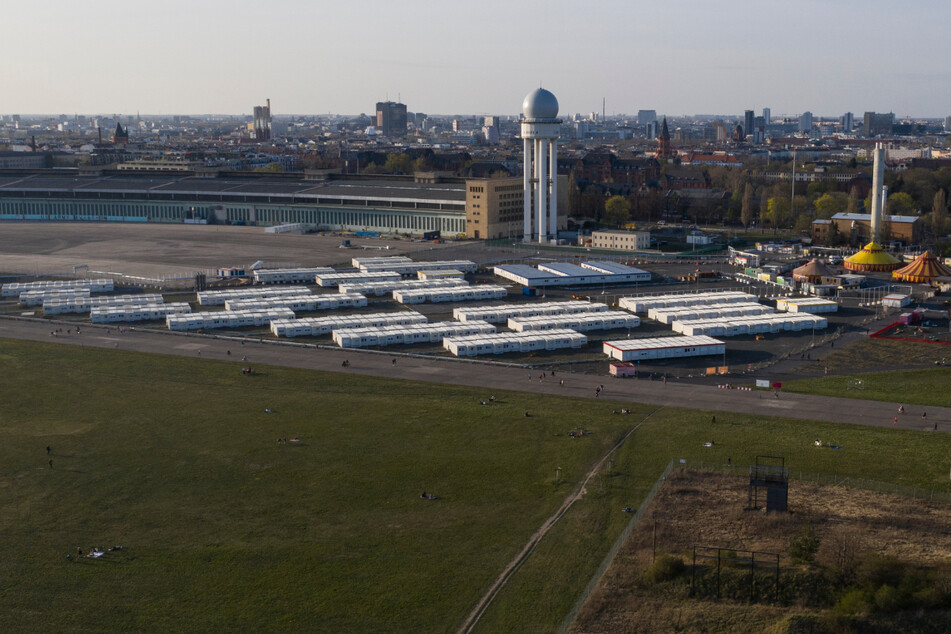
(646,117)
(805,122)
(767,117)
(262,122)
(947,123)
(391,118)
(878,124)
(848,122)
(748,118)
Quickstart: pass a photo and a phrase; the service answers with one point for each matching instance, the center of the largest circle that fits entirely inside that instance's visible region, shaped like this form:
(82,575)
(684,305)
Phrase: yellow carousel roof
(925,268)
(872,258)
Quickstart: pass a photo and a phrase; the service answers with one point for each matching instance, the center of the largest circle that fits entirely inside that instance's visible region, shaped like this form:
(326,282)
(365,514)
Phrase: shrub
(803,545)
(853,603)
(887,599)
(878,570)
(664,568)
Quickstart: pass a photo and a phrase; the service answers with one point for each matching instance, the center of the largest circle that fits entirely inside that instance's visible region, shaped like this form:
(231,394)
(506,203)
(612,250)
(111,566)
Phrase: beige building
(621,240)
(494,207)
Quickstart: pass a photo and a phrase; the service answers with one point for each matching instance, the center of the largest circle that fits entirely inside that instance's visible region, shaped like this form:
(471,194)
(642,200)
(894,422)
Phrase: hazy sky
(451,57)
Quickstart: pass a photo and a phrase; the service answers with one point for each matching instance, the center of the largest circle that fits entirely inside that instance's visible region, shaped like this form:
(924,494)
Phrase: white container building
(289,276)
(605,320)
(440,274)
(411,334)
(896,300)
(812,305)
(227,319)
(335,279)
(504,342)
(219,297)
(750,325)
(137,312)
(39,297)
(450,294)
(502,313)
(13,289)
(413,268)
(360,262)
(670,314)
(662,348)
(385,288)
(568,274)
(320,326)
(85,304)
(643,303)
(329,301)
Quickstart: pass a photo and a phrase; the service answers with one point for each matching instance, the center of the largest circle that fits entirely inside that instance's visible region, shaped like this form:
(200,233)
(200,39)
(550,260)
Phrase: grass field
(223,528)
(926,387)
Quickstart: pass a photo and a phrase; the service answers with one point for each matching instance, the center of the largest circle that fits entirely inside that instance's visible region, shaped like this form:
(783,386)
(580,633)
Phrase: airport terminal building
(385,204)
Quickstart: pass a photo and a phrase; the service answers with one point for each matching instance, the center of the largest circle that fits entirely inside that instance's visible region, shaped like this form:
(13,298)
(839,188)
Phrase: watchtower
(769,473)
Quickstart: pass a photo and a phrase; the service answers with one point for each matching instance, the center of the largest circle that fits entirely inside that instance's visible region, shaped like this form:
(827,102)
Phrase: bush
(664,568)
(803,545)
(853,603)
(878,570)
(887,599)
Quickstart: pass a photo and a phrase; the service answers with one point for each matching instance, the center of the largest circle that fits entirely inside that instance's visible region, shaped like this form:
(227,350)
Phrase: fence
(615,548)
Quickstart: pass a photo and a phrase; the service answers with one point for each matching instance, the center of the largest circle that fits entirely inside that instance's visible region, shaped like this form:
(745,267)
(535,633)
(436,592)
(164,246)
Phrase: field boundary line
(473,619)
(614,549)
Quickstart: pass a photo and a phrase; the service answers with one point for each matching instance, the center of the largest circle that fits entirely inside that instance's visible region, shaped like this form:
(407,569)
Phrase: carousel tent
(872,258)
(812,271)
(924,269)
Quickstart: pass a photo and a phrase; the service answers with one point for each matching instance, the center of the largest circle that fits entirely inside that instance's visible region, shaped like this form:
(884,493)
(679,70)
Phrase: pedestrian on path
(895,422)
(51,463)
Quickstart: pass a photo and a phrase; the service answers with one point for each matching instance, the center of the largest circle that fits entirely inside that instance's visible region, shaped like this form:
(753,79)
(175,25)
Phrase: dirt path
(473,619)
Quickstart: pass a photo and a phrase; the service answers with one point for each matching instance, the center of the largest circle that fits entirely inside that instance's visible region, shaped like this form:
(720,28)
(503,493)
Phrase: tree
(592,202)
(273,166)
(777,211)
(828,205)
(617,210)
(939,213)
(398,163)
(803,545)
(853,207)
(746,209)
(422,164)
(900,204)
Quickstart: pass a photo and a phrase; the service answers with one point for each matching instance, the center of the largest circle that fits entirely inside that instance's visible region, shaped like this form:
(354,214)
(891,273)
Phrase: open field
(709,509)
(222,528)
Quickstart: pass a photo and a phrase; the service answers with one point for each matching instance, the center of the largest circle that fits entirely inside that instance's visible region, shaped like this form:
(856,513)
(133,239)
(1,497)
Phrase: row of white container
(227,319)
(219,297)
(335,279)
(501,314)
(321,326)
(644,303)
(360,262)
(503,342)
(137,312)
(405,335)
(670,314)
(450,294)
(812,305)
(289,276)
(413,268)
(13,289)
(752,325)
(329,301)
(39,297)
(85,304)
(440,274)
(605,320)
(663,348)
(384,288)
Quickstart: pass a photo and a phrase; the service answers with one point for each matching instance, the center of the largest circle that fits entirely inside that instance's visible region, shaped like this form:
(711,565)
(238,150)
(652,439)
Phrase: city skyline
(829,58)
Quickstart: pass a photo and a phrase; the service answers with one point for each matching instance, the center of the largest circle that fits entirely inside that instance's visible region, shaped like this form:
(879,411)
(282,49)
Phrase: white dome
(540,104)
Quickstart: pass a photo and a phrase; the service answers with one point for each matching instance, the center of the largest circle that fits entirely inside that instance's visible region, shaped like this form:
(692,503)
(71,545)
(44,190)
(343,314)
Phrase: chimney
(878,181)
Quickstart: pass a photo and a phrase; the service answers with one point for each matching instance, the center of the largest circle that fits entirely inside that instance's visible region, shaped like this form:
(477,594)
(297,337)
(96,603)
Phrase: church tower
(663,143)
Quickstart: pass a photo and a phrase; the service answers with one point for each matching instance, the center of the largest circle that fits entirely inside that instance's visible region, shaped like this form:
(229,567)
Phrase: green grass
(224,529)
(925,387)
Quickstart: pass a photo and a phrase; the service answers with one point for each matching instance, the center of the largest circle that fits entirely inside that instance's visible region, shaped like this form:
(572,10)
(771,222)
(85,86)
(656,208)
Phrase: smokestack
(878,181)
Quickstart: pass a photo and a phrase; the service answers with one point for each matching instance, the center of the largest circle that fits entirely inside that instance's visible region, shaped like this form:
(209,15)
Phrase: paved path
(489,376)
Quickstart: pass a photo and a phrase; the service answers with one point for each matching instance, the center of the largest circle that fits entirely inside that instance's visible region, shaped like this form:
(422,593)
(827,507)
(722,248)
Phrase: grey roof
(524,270)
(868,217)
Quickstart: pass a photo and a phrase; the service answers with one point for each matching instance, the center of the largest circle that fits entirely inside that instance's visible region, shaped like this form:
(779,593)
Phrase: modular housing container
(643,303)
(568,274)
(39,297)
(503,342)
(384,288)
(85,304)
(670,314)
(613,268)
(450,294)
(289,276)
(227,319)
(896,300)
(439,274)
(503,312)
(604,320)
(812,305)
(411,334)
(220,297)
(662,348)
(335,279)
(751,325)
(413,268)
(360,262)
(329,301)
(320,326)
(137,312)
(13,289)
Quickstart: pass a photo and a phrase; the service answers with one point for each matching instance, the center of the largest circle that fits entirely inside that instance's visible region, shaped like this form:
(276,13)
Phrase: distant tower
(540,138)
(262,122)
(391,119)
(748,118)
(878,183)
(663,143)
(121,135)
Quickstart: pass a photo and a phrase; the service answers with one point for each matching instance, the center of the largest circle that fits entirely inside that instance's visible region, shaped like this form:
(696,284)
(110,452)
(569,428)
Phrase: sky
(449,57)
